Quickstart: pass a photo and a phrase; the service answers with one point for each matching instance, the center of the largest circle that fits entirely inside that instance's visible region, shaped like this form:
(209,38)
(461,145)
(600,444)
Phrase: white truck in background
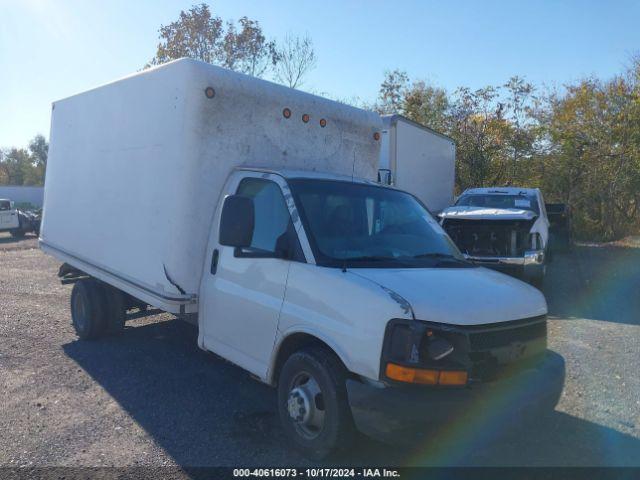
(504,228)
(8,216)
(418,160)
(252,210)
(17,222)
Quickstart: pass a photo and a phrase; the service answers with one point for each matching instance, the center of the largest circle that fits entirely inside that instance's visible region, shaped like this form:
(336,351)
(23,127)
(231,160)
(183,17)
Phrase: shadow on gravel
(8,243)
(599,283)
(5,239)
(205,412)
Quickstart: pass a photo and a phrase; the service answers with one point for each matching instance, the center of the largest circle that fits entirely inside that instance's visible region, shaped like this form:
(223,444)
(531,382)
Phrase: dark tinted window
(366,225)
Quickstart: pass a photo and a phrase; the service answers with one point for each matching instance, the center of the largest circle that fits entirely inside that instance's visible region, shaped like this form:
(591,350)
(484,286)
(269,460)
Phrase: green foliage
(24,166)
(581,146)
(200,35)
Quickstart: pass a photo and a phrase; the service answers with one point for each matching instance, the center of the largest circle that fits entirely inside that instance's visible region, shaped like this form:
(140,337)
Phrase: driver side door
(243,290)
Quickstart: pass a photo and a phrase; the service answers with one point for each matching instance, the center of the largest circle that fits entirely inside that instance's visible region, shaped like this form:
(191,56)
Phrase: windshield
(488,200)
(358,225)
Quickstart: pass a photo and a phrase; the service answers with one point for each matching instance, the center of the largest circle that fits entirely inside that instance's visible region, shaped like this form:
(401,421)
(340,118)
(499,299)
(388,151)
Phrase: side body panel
(241,298)
(136,167)
(422,161)
(346,311)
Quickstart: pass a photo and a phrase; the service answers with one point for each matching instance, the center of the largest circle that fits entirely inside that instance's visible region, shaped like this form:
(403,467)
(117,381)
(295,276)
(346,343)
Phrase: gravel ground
(151,397)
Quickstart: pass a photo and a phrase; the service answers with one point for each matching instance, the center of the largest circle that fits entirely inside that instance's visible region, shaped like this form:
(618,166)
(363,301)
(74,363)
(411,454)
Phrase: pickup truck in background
(17,222)
(265,227)
(502,228)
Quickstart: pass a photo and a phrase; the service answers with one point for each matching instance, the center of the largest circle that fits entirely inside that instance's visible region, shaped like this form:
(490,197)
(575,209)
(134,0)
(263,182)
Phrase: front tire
(313,403)
(88,309)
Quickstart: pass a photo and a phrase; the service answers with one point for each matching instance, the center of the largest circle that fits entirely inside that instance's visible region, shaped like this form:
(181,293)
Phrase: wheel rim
(80,312)
(305,405)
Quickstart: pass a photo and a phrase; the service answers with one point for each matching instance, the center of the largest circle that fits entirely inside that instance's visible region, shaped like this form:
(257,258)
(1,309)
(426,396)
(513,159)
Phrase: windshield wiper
(368,258)
(444,257)
(435,255)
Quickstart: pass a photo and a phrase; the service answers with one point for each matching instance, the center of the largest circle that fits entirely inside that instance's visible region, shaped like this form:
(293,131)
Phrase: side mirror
(237,221)
(384,176)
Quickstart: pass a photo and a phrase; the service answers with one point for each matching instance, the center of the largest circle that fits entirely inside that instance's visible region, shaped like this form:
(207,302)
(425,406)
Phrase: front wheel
(313,403)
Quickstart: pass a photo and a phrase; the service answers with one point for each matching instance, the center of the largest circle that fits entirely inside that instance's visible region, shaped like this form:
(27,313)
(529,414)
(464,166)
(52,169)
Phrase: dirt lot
(151,397)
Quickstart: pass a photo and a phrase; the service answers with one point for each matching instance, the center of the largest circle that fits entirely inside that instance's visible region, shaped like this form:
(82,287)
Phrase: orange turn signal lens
(323,122)
(411,375)
(305,117)
(376,136)
(453,377)
(286,113)
(425,377)
(209,92)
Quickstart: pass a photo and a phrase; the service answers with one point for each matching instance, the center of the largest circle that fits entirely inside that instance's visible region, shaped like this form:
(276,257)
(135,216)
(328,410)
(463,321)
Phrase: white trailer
(418,160)
(200,190)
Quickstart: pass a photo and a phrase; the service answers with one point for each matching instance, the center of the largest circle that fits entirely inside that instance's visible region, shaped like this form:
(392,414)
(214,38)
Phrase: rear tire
(313,404)
(88,308)
(17,233)
(115,310)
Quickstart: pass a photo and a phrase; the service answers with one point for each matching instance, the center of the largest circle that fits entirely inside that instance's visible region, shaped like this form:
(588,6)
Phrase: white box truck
(252,208)
(418,160)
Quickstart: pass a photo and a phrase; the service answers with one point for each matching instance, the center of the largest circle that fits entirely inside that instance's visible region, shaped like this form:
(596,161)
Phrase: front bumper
(396,413)
(530,265)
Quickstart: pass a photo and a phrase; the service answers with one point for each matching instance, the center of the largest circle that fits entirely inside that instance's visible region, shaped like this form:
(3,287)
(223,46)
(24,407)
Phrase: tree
(479,130)
(196,34)
(295,58)
(39,148)
(247,50)
(200,35)
(20,166)
(521,136)
(427,105)
(392,91)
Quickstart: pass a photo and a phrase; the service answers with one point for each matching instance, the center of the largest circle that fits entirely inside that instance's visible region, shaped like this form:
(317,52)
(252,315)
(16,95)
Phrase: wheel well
(293,343)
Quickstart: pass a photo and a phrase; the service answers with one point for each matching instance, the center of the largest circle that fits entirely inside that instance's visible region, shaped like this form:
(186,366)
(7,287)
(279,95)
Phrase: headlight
(418,352)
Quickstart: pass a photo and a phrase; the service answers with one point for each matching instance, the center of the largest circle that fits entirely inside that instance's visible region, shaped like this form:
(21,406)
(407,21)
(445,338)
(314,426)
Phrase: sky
(50,49)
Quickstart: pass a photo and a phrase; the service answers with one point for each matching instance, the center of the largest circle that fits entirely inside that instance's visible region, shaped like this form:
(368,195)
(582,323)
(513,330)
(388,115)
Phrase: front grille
(503,337)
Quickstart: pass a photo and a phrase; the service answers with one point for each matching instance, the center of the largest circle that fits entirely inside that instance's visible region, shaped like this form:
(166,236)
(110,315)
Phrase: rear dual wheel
(97,309)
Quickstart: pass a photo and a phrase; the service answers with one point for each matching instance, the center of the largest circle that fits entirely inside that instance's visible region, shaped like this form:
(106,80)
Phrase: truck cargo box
(136,167)
(419,160)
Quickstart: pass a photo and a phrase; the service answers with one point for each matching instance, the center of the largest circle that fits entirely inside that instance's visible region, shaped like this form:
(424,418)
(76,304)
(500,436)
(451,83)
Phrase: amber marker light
(323,122)
(425,377)
(376,136)
(209,92)
(453,377)
(305,117)
(286,113)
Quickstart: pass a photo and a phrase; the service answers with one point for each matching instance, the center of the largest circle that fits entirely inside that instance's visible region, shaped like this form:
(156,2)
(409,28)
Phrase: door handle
(214,261)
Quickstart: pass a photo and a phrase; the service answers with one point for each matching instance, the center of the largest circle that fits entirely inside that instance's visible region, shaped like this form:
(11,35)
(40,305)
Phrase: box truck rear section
(252,208)
(137,167)
(418,160)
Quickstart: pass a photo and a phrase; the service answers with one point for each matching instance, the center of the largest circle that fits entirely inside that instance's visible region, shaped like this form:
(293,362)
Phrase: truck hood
(482,213)
(459,296)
